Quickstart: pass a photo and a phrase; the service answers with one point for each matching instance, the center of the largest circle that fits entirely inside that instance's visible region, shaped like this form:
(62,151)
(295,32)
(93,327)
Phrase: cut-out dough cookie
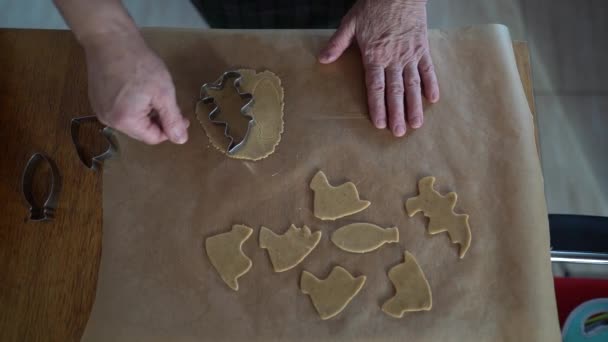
(331,202)
(413,292)
(363,237)
(225,253)
(440,211)
(330,296)
(288,250)
(267,111)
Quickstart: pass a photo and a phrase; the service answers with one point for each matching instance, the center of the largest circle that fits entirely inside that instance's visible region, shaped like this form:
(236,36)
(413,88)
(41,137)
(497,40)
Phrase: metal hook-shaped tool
(46,210)
(96,161)
(233,145)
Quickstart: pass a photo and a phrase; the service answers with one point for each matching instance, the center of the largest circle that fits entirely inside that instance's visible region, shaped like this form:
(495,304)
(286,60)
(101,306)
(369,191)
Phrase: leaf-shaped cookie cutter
(108,134)
(46,210)
(233,146)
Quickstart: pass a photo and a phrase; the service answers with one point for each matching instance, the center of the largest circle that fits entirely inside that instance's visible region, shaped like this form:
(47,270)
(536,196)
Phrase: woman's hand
(130,89)
(392,37)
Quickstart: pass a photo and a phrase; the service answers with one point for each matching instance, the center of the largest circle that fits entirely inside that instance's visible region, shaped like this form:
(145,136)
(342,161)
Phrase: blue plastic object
(574,328)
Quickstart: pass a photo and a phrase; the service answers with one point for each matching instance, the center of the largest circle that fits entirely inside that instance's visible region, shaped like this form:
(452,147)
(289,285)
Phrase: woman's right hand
(131,90)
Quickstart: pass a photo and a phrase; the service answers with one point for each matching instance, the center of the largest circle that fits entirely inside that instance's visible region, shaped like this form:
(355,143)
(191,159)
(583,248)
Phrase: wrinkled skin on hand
(392,37)
(131,90)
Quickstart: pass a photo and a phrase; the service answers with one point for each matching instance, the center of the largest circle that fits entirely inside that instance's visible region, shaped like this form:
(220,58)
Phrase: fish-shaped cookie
(331,202)
(363,237)
(227,257)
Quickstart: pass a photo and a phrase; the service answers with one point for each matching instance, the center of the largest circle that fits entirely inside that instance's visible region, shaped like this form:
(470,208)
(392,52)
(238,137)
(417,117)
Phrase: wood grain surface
(48,270)
(522,58)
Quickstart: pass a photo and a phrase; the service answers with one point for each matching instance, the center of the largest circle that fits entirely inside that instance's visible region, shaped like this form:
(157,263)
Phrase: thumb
(338,42)
(174,125)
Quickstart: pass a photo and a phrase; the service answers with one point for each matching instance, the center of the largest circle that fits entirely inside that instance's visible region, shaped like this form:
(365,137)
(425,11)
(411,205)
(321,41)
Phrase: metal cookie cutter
(46,210)
(233,145)
(96,161)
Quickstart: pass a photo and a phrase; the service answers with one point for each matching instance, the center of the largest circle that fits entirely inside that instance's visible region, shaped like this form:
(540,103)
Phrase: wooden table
(49,270)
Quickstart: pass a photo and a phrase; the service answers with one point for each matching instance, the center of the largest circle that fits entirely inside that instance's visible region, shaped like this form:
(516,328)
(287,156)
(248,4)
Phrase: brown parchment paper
(161,202)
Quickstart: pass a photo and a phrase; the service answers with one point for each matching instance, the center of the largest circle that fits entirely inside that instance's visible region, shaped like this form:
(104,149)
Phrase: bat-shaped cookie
(440,211)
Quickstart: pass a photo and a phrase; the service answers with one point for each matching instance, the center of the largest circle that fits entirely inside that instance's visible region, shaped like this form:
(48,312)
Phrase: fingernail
(179,135)
(417,122)
(325,56)
(434,97)
(399,130)
(380,123)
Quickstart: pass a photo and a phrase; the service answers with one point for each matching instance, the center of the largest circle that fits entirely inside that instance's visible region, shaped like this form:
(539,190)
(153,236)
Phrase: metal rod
(580,257)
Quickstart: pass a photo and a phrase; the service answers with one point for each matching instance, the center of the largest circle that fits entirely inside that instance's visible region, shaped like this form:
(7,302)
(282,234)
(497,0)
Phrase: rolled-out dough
(267,112)
(440,211)
(413,292)
(288,250)
(503,291)
(332,203)
(330,296)
(363,237)
(227,257)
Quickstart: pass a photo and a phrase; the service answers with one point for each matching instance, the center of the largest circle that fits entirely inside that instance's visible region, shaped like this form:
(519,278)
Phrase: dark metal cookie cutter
(97,161)
(233,145)
(46,210)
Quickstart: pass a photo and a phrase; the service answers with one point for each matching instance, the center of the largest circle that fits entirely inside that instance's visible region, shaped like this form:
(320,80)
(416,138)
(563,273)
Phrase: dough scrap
(226,255)
(331,203)
(440,211)
(288,250)
(363,237)
(413,292)
(330,296)
(267,112)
